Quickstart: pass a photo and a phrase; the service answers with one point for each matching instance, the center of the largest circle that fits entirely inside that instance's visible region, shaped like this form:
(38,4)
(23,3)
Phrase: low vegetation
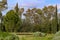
(8,36)
(39,34)
(29,37)
(36,36)
(56,36)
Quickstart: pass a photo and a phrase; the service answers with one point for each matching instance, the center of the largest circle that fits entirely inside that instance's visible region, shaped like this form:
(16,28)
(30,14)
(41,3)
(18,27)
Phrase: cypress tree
(16,8)
(0,20)
(57,19)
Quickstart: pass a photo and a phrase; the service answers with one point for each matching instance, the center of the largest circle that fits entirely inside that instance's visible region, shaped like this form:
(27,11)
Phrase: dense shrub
(56,36)
(8,36)
(37,34)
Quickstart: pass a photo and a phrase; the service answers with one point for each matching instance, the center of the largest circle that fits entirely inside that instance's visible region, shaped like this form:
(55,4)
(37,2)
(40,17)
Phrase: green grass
(5,35)
(8,36)
(29,37)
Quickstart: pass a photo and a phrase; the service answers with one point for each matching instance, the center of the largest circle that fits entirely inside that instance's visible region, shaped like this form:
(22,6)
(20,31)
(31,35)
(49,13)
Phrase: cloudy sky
(31,4)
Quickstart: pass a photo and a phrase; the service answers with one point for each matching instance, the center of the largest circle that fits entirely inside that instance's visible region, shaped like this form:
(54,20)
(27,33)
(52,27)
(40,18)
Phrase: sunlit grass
(25,37)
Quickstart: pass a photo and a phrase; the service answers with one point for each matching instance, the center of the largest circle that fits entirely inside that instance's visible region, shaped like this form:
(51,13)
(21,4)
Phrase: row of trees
(43,20)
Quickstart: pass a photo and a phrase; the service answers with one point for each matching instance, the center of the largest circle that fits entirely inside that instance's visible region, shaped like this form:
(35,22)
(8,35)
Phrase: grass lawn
(25,37)
(30,37)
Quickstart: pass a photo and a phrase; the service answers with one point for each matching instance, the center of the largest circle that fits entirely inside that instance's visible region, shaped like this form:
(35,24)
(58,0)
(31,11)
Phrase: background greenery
(45,20)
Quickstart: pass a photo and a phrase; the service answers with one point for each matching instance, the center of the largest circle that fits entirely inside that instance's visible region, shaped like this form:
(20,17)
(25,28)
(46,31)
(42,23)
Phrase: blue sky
(31,4)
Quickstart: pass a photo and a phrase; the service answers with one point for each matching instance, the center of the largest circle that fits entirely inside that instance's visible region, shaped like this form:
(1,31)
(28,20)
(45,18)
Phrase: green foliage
(12,37)
(37,34)
(56,36)
(8,36)
(43,20)
(12,21)
(39,11)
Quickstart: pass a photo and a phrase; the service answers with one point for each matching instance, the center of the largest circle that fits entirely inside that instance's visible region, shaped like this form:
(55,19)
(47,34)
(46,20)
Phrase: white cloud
(31,3)
(58,6)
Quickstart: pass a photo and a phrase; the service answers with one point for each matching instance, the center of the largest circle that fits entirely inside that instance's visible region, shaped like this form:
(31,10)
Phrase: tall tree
(16,8)
(49,14)
(3,6)
(57,19)
(0,20)
(12,21)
